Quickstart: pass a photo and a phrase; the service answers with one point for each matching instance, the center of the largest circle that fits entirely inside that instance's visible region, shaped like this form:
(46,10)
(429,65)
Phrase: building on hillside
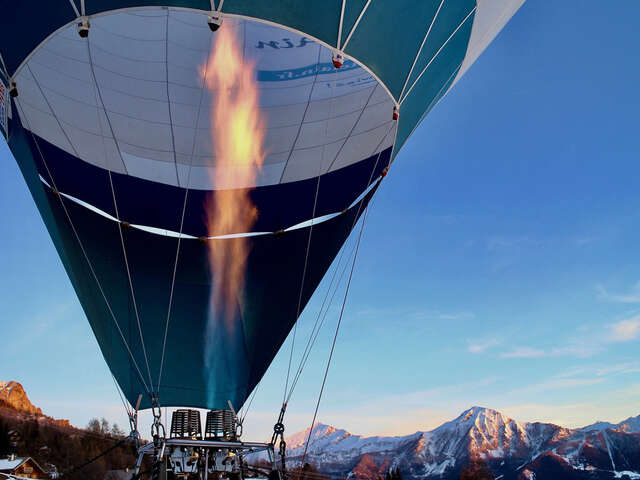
(21,467)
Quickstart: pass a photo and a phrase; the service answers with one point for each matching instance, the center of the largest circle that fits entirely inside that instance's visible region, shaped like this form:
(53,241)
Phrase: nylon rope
(166,69)
(124,403)
(253,395)
(314,334)
(402,99)
(319,319)
(335,337)
(75,9)
(375,166)
(184,207)
(104,147)
(333,344)
(315,329)
(304,275)
(355,124)
(424,40)
(53,113)
(319,323)
(315,202)
(98,95)
(355,25)
(287,397)
(115,205)
(133,296)
(295,140)
(77,236)
(4,68)
(341,23)
(432,103)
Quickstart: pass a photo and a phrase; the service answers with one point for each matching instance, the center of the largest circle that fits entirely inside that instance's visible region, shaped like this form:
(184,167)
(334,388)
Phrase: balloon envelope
(114,138)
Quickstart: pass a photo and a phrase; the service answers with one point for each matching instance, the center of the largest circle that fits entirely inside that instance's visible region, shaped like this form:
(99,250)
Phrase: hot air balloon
(118,115)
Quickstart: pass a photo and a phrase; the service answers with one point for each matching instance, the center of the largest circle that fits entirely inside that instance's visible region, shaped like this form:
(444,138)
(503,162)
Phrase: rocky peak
(321,434)
(13,396)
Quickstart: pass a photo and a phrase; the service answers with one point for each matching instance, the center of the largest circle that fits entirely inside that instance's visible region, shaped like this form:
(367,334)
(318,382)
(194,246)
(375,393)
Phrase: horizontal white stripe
(173,234)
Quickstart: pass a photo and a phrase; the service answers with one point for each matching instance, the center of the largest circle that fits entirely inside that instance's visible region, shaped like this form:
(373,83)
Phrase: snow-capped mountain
(510,449)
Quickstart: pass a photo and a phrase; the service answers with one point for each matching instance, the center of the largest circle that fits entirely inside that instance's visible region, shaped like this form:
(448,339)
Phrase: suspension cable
(184,208)
(98,98)
(315,335)
(124,403)
(333,344)
(335,337)
(86,256)
(313,214)
(133,296)
(98,95)
(373,170)
(304,275)
(357,247)
(253,395)
(320,319)
(173,280)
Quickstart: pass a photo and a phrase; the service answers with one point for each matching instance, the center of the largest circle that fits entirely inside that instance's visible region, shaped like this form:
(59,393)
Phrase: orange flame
(237,132)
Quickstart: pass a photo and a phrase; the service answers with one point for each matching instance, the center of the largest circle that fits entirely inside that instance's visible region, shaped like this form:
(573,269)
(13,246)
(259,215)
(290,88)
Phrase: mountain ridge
(510,449)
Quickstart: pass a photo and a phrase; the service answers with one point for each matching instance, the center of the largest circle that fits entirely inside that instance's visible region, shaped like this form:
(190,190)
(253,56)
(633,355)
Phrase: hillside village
(34,445)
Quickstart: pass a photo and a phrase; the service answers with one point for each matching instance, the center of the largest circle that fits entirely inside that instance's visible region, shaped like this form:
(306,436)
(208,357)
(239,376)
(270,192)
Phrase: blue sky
(499,265)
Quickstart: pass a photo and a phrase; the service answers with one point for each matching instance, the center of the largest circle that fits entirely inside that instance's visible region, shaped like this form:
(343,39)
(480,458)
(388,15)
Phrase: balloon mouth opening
(130,98)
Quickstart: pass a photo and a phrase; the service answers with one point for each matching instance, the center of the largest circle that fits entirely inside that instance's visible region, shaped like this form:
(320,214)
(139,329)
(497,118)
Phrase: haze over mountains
(510,449)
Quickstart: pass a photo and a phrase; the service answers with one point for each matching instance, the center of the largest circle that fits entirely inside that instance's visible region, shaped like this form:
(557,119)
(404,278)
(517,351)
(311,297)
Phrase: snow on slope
(630,425)
(482,430)
(478,433)
(598,426)
(329,444)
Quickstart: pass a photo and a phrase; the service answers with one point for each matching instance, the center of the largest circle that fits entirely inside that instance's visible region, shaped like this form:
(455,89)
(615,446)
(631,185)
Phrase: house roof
(7,464)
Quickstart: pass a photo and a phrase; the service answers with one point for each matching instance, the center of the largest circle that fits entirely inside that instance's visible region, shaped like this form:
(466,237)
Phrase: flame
(237,133)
